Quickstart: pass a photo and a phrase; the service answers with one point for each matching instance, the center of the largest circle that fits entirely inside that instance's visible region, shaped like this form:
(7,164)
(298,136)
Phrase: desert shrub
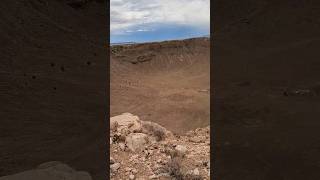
(175,170)
(154,129)
(159,134)
(173,167)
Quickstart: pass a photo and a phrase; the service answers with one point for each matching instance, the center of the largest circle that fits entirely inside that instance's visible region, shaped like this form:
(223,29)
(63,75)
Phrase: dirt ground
(166,82)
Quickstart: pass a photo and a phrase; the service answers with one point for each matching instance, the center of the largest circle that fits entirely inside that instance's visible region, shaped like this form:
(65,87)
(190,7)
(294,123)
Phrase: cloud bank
(129,16)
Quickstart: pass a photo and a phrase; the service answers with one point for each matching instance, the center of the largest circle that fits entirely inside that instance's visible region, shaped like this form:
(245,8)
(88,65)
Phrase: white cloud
(125,14)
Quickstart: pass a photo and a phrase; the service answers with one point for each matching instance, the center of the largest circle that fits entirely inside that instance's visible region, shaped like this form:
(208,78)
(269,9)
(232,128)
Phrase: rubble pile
(146,150)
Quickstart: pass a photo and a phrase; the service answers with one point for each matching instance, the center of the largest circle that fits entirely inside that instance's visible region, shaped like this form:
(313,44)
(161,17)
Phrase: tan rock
(181,149)
(136,141)
(131,177)
(126,121)
(114,167)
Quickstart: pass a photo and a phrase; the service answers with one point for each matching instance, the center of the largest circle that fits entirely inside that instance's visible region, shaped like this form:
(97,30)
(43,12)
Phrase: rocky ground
(146,150)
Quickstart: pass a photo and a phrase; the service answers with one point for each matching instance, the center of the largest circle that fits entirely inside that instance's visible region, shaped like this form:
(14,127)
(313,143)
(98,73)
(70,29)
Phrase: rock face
(50,171)
(125,122)
(155,153)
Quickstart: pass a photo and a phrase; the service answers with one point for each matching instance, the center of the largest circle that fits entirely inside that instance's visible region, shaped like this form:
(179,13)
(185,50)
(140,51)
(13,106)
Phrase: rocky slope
(145,150)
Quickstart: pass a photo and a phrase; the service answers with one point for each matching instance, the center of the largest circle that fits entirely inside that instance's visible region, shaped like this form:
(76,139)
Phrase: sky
(158,20)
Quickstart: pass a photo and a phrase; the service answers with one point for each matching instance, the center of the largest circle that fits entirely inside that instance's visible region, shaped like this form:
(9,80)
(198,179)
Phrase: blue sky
(158,20)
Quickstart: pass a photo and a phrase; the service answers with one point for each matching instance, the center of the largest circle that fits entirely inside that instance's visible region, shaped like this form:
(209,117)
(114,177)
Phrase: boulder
(125,123)
(136,141)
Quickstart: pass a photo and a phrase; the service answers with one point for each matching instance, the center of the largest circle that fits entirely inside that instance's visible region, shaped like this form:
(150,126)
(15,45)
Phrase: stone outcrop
(146,150)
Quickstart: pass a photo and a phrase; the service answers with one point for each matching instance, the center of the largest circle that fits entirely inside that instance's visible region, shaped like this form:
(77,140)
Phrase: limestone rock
(182,150)
(125,121)
(131,176)
(114,167)
(196,172)
(136,141)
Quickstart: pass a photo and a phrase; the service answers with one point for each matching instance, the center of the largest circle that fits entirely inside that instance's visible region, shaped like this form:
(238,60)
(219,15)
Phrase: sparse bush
(174,168)
(154,129)
(160,135)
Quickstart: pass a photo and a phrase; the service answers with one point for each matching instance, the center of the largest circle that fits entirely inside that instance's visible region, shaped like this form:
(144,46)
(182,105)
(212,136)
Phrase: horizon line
(133,42)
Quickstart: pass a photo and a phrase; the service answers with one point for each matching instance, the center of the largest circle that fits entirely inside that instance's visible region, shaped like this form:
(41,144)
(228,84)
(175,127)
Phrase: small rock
(115,167)
(153,177)
(163,175)
(112,160)
(196,172)
(150,152)
(181,149)
(136,141)
(143,159)
(122,146)
(127,169)
(134,171)
(131,176)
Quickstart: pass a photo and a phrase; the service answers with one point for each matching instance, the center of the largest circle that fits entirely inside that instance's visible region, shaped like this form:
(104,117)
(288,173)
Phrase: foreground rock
(50,171)
(125,123)
(149,151)
(136,141)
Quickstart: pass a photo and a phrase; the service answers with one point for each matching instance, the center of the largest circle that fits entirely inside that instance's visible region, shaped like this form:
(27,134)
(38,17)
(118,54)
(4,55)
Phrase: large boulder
(136,141)
(125,123)
(50,171)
